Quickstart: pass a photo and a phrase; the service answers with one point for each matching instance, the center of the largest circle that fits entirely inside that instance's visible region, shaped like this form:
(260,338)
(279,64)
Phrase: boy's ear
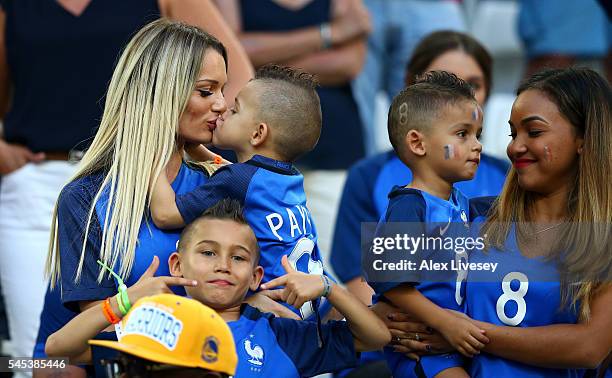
(415,142)
(260,134)
(174,263)
(258,273)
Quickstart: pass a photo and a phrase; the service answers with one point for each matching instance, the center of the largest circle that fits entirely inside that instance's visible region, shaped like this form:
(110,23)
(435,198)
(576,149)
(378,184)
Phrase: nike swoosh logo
(443,229)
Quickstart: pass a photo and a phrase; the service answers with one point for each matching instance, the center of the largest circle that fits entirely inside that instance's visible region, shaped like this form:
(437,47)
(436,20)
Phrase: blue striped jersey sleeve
(231,181)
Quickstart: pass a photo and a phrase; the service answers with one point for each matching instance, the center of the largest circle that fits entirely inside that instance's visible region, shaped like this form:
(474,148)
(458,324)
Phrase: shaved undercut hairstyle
(226,209)
(290,106)
(418,105)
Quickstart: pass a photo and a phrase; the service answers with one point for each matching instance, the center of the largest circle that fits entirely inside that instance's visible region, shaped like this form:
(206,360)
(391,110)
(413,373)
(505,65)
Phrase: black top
(341,142)
(60,66)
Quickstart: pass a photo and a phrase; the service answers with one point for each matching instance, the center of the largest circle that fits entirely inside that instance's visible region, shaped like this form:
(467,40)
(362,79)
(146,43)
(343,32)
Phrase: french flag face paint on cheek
(449,152)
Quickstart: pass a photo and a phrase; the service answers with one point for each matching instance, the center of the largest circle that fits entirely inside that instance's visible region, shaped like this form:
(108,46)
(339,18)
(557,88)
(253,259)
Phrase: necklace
(546,229)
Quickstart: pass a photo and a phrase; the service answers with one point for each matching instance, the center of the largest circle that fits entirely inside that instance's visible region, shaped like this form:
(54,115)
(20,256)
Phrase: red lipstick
(522,163)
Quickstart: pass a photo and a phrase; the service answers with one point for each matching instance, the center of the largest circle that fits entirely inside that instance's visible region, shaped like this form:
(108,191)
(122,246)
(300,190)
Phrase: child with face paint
(434,126)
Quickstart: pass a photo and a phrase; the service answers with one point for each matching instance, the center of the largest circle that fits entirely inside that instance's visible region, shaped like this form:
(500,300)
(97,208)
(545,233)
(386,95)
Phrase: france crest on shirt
(287,348)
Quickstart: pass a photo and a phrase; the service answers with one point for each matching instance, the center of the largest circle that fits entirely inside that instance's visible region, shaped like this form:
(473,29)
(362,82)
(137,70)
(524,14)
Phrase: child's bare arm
(199,152)
(71,340)
(163,207)
(462,334)
(369,332)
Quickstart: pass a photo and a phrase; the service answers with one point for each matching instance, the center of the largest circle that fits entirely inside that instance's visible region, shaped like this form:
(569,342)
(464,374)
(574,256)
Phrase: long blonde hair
(585,99)
(148,92)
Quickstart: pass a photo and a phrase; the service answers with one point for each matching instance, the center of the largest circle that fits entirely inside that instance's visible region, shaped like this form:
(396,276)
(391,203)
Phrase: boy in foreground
(218,258)
(200,343)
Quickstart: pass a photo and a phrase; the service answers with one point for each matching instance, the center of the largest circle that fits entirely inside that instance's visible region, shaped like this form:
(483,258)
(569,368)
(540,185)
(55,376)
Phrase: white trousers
(27,198)
(323,191)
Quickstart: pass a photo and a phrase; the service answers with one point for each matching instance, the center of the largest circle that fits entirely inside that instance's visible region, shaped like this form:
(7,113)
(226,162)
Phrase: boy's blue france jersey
(522,292)
(268,346)
(414,206)
(275,347)
(73,209)
(365,200)
(272,194)
(408,205)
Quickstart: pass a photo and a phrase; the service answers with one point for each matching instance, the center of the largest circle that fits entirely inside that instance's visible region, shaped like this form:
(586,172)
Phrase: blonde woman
(165,95)
(546,308)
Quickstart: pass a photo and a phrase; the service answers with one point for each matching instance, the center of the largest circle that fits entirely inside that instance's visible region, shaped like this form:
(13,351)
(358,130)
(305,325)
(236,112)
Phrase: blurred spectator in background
(398,25)
(56,59)
(326,38)
(559,33)
(450,51)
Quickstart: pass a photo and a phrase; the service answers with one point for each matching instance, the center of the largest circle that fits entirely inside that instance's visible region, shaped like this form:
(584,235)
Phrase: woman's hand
(416,344)
(13,157)
(149,285)
(351,21)
(409,336)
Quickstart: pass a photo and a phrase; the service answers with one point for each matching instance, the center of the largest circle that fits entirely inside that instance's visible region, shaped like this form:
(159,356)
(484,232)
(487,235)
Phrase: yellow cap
(175,330)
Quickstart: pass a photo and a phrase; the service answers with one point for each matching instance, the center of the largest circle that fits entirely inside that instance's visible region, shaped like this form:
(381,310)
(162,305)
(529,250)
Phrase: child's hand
(299,287)
(199,152)
(149,285)
(464,336)
(265,301)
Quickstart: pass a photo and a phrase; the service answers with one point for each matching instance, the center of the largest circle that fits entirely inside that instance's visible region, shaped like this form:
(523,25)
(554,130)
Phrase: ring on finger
(397,339)
(417,337)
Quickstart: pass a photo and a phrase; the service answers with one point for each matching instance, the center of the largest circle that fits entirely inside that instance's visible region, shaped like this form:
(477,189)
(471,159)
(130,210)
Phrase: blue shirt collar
(274,165)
